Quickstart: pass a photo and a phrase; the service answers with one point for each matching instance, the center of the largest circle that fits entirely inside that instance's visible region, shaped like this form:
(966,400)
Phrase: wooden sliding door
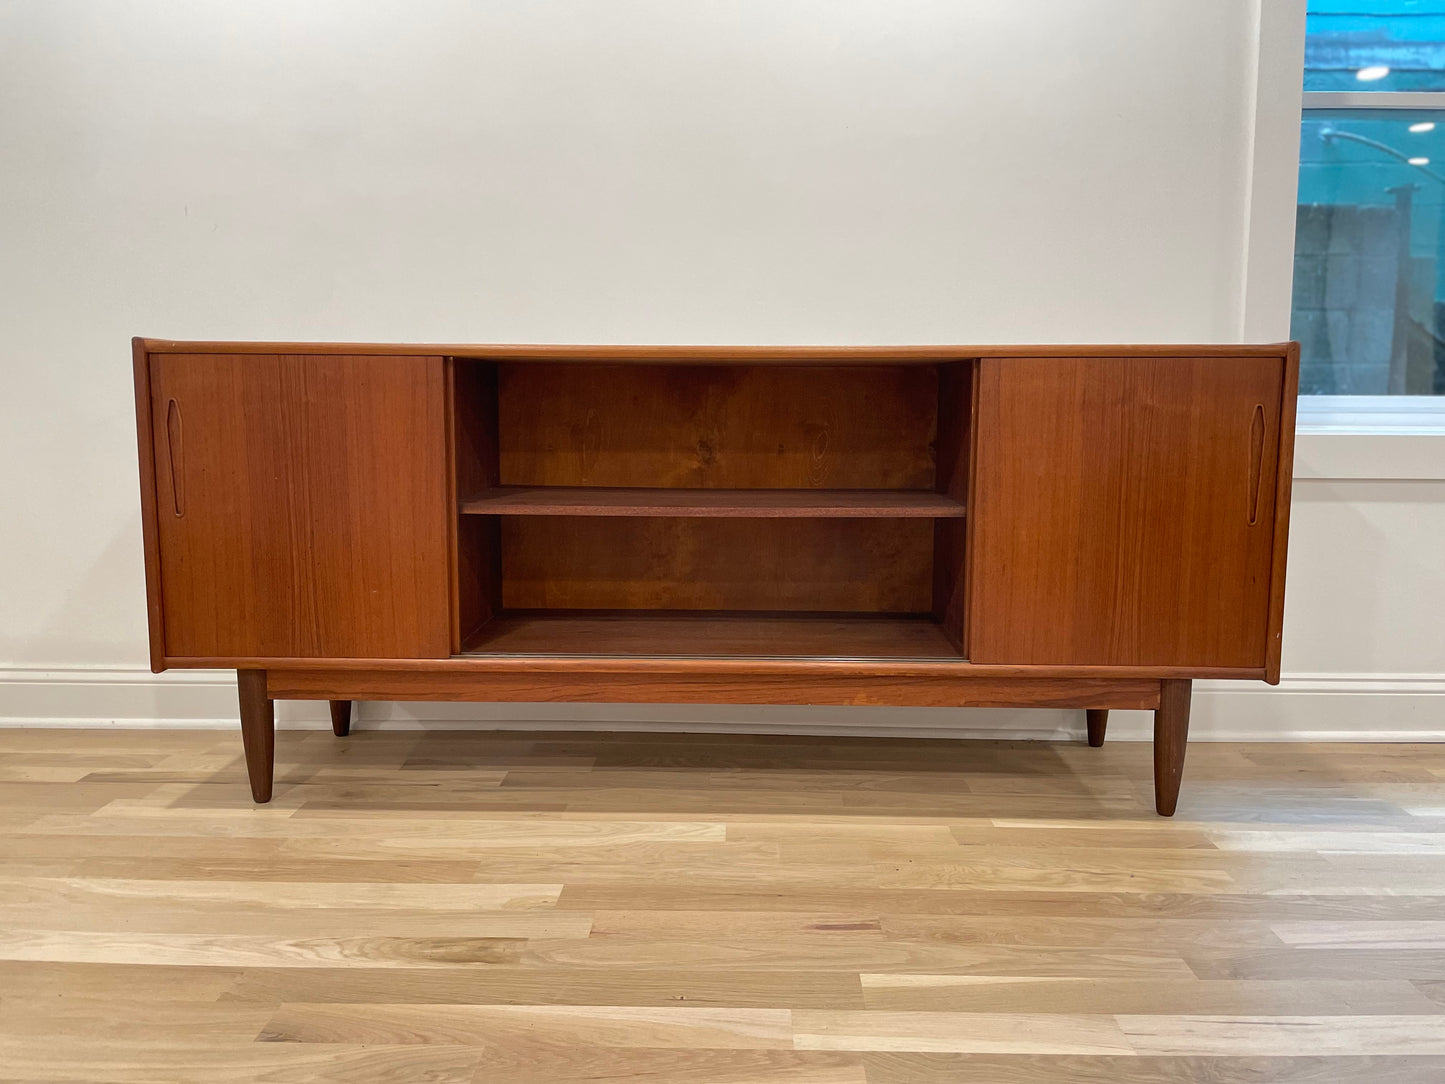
(301,506)
(1124,510)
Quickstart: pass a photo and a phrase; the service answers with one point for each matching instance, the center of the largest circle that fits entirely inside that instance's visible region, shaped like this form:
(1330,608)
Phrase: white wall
(773,171)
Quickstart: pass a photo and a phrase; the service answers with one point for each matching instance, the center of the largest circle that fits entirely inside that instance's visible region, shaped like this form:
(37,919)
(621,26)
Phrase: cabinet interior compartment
(734,509)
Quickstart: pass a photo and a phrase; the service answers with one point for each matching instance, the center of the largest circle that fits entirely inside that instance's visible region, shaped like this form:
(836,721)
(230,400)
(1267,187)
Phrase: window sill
(1375,438)
(1380,414)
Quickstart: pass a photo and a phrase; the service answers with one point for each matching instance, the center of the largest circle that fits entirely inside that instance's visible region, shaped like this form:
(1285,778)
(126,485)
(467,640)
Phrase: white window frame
(1372,413)
(1341,422)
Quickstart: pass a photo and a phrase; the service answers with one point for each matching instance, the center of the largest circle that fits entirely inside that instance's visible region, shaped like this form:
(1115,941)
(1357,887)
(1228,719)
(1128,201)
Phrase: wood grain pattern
(562,562)
(584,684)
(736,427)
(620,1026)
(713,503)
(1019,1033)
(315,518)
(644,633)
(1171,735)
(724,355)
(258,730)
(815,669)
(721,909)
(1112,510)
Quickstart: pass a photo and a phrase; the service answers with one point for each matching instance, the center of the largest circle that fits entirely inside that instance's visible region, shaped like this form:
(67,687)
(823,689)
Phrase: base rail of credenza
(1169,699)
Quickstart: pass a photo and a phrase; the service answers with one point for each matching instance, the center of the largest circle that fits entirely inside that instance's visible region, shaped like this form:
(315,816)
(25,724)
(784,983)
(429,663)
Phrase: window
(1369,274)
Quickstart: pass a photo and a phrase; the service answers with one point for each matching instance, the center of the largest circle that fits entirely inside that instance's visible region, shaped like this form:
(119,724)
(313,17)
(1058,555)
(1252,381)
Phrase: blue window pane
(1385,45)
(1369,285)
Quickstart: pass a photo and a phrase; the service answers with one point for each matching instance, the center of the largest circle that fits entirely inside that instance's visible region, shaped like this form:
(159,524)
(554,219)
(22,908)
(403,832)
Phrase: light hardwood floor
(508,908)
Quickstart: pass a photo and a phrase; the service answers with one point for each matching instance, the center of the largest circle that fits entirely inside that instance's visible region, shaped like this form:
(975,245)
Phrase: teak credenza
(1087,527)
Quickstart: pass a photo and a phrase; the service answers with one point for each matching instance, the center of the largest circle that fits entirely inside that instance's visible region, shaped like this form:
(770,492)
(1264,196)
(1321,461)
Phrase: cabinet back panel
(871,565)
(718,426)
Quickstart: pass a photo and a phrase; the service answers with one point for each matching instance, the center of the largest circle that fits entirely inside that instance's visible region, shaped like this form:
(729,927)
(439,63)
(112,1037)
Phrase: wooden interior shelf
(713,503)
(684,633)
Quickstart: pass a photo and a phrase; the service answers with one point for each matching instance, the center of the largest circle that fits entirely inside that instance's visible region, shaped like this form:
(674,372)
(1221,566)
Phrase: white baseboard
(1305,707)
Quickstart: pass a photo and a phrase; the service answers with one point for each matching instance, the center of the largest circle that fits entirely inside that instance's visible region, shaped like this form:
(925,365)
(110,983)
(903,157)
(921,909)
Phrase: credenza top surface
(836,355)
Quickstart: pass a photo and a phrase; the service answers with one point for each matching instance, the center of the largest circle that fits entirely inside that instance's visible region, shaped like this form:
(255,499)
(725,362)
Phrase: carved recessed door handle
(175,451)
(1256,461)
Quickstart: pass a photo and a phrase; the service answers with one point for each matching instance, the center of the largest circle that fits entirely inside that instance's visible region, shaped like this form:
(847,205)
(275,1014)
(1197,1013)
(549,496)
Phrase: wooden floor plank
(1314,997)
(62,1019)
(64,892)
(915,1068)
(252,950)
(1284,1036)
(601,986)
(951,1032)
(141,1061)
(691,1028)
(581,1064)
(859,955)
(42,981)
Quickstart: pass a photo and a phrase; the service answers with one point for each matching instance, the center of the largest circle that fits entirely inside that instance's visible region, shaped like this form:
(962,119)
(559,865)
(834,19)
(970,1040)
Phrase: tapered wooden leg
(258,731)
(1098,719)
(1171,730)
(341,717)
